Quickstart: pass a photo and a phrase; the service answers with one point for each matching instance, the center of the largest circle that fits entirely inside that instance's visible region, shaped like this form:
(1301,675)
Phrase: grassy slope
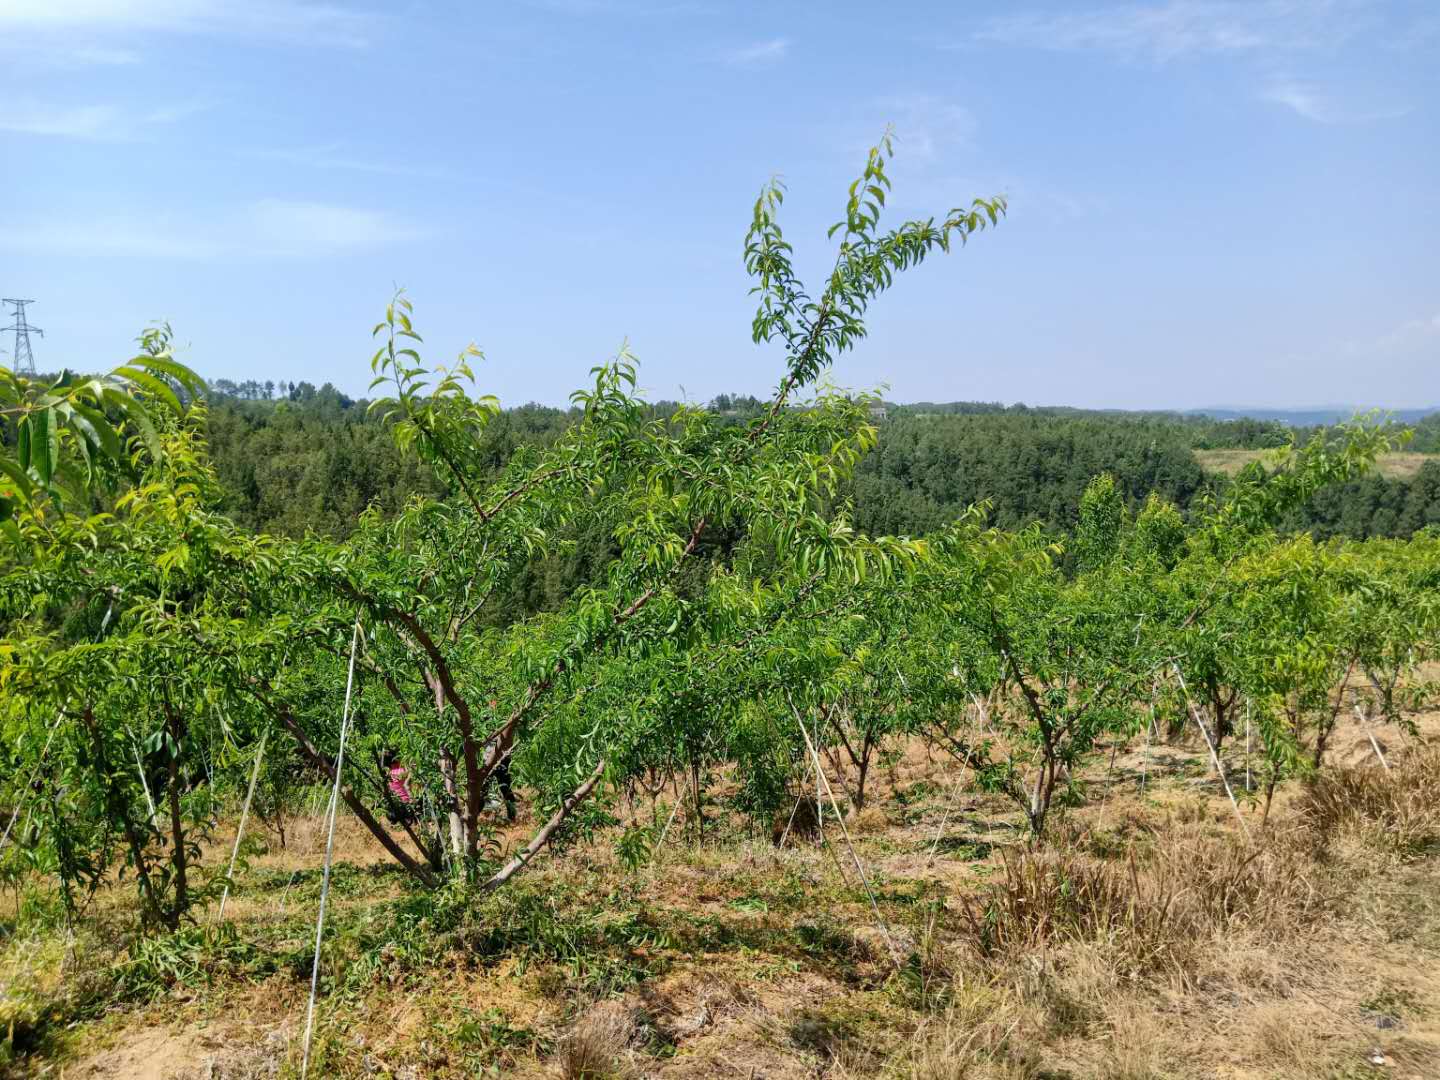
(1229,462)
(728,958)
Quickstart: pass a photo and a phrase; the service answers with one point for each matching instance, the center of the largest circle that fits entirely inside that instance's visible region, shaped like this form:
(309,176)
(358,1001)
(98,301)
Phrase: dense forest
(292,458)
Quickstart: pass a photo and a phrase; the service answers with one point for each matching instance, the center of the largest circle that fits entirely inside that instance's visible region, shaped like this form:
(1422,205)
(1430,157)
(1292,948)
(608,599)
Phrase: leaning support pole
(1214,757)
(1247,745)
(145,784)
(673,811)
(244,815)
(859,869)
(982,714)
(329,853)
(1364,722)
(34,774)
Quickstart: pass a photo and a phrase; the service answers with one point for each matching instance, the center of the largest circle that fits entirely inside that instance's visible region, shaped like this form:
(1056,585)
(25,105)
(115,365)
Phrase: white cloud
(927,126)
(334,156)
(66,121)
(307,229)
(1180,27)
(1302,99)
(1308,101)
(270,228)
(1409,335)
(99,123)
(268,18)
(761,52)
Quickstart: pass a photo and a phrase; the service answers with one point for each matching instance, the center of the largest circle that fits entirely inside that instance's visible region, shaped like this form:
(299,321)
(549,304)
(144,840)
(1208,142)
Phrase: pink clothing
(397,785)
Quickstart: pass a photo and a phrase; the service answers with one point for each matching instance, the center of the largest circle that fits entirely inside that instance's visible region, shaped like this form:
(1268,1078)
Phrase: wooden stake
(983,714)
(1247,745)
(675,810)
(1149,732)
(140,768)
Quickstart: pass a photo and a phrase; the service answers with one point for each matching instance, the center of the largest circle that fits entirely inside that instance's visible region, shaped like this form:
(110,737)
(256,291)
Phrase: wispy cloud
(95,122)
(270,228)
(1410,334)
(66,121)
(1309,101)
(927,126)
(321,22)
(1176,28)
(335,156)
(643,9)
(1302,99)
(760,52)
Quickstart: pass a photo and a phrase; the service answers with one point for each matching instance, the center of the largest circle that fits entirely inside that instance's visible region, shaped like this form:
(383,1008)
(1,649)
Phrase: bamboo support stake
(244,815)
(140,768)
(1247,745)
(329,854)
(1214,757)
(1149,733)
(859,869)
(789,824)
(34,774)
(284,896)
(674,810)
(983,714)
(1371,736)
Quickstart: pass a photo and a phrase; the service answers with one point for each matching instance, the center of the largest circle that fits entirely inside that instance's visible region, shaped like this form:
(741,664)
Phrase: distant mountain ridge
(1308,417)
(1320,414)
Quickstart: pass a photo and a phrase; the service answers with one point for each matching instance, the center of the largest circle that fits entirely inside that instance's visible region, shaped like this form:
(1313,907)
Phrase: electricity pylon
(22,358)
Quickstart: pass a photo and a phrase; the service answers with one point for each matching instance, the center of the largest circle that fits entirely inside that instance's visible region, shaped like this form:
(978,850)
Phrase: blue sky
(1211,202)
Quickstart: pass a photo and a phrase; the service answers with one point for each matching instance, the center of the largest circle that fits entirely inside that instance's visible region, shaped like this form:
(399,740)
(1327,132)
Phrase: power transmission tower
(23,358)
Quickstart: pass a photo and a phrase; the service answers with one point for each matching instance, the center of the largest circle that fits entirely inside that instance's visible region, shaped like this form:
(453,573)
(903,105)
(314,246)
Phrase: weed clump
(1396,810)
(1149,911)
(595,1047)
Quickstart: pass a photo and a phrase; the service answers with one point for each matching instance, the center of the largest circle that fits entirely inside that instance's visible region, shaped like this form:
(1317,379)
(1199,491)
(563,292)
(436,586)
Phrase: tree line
(314,460)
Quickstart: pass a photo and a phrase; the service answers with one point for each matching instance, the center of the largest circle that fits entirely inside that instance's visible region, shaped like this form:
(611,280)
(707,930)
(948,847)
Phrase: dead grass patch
(1151,911)
(1397,810)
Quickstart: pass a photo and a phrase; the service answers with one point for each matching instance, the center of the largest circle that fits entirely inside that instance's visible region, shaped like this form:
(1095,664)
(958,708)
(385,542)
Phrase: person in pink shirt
(396,775)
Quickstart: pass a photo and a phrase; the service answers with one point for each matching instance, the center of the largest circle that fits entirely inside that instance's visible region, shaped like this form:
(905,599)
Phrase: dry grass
(1155,909)
(1398,810)
(594,1048)
(1147,940)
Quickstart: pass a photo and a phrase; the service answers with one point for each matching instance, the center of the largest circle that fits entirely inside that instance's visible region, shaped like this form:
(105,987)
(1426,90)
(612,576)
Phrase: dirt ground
(725,957)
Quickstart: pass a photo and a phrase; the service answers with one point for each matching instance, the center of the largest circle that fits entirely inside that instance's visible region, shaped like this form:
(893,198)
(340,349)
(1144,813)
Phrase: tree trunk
(862,767)
(541,838)
(117,807)
(360,810)
(452,798)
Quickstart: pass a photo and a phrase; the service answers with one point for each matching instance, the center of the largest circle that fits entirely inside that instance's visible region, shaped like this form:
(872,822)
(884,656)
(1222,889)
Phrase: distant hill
(1321,414)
